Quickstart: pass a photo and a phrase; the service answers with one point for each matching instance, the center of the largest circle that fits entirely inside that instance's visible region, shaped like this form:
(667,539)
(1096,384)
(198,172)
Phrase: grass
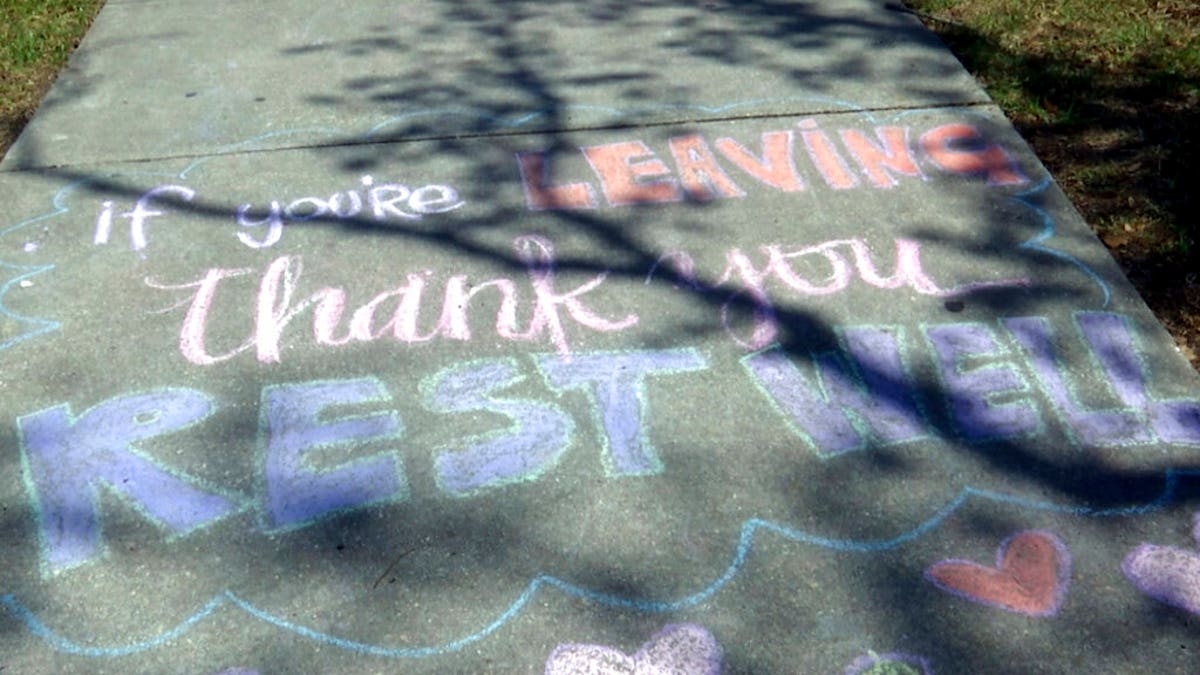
(1108,95)
(36,38)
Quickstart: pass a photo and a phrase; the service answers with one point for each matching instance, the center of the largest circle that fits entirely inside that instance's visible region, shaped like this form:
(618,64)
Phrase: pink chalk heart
(677,649)
(1032,572)
(1170,575)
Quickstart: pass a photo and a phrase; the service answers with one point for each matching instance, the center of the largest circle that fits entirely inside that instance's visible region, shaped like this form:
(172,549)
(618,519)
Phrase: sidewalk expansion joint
(516,133)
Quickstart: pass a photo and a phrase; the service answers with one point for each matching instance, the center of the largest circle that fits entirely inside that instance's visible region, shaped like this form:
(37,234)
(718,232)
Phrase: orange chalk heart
(1032,572)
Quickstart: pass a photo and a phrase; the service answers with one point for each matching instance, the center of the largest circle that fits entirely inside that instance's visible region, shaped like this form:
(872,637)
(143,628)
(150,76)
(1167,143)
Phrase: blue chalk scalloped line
(39,325)
(749,530)
(1034,243)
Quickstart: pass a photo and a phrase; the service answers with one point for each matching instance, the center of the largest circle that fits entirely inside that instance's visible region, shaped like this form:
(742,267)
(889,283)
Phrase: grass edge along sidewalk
(36,39)
(1108,96)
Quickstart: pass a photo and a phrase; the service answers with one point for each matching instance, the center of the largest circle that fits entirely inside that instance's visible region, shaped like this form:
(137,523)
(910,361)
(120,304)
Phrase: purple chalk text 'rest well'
(69,457)
(858,397)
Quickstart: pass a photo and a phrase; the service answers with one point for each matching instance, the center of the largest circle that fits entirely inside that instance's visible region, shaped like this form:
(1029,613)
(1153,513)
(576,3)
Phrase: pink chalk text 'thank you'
(276,306)
(396,314)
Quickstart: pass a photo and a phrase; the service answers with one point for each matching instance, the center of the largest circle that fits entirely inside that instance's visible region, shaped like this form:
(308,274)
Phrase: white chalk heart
(1166,573)
(677,649)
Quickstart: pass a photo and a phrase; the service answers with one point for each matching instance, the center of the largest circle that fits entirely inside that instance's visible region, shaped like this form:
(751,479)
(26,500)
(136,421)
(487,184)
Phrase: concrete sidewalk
(569,337)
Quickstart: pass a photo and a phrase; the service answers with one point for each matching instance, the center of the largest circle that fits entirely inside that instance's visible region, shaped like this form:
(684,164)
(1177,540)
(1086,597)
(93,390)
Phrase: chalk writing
(774,167)
(274,308)
(313,462)
(791,160)
(677,648)
(962,149)
(985,400)
(540,432)
(860,396)
(384,203)
(825,157)
(615,384)
(536,438)
(1112,345)
(846,410)
(630,172)
(137,217)
(1031,576)
(66,458)
(1168,574)
(881,162)
(295,493)
(1091,427)
(750,281)
(863,395)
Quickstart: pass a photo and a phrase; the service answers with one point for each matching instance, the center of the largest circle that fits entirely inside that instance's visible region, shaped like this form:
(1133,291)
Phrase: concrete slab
(852,392)
(157,79)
